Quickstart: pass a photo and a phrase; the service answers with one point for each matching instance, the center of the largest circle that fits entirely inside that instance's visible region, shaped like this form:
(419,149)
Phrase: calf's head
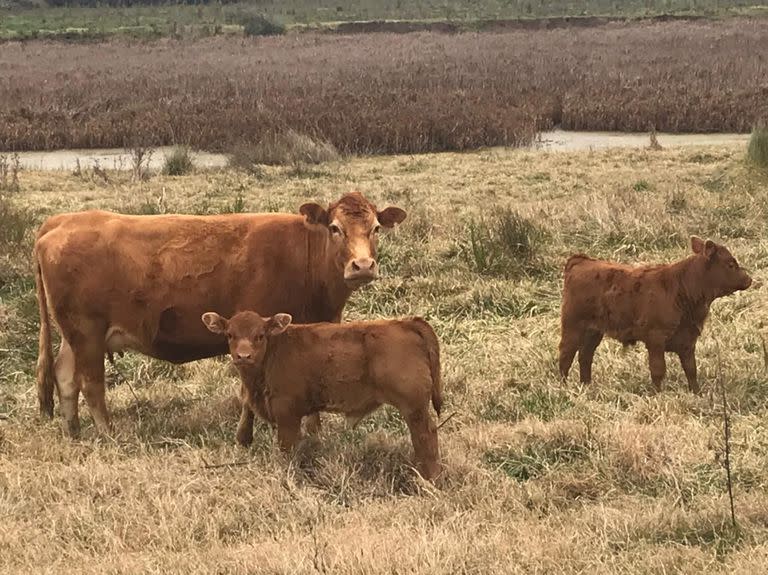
(353,225)
(722,273)
(247,333)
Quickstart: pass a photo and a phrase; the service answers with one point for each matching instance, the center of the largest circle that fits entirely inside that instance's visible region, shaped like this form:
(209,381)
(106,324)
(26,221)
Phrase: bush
(288,148)
(10,166)
(758,146)
(509,245)
(179,162)
(259,25)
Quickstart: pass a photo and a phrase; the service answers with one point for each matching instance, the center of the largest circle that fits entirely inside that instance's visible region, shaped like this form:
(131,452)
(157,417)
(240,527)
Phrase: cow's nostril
(355,267)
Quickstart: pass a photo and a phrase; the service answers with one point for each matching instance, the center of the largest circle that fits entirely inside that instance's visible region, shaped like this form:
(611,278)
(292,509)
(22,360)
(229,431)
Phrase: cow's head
(353,225)
(247,333)
(722,274)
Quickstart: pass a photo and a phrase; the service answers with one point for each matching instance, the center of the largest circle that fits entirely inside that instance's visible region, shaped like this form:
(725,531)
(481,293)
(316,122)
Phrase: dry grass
(541,476)
(383,93)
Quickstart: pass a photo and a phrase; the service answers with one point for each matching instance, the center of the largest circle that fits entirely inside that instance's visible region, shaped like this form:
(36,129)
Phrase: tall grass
(758,145)
(382,93)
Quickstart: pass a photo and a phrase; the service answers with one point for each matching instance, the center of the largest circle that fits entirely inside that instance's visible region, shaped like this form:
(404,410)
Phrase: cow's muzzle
(360,271)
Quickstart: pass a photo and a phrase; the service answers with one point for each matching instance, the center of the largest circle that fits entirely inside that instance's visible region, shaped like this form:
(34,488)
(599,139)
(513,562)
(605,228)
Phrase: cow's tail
(46,377)
(433,354)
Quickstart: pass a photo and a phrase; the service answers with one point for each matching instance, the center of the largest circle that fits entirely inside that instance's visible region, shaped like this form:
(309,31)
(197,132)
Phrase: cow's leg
(89,378)
(589,344)
(68,392)
(688,361)
(570,342)
(424,438)
(657,364)
(312,424)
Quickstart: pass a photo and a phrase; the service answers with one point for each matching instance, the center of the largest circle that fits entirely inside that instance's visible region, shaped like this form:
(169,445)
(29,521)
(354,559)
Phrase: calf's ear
(315,214)
(710,248)
(278,323)
(697,244)
(390,216)
(214,322)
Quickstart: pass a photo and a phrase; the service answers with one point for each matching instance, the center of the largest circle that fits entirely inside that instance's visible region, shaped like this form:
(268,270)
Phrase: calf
(663,306)
(290,371)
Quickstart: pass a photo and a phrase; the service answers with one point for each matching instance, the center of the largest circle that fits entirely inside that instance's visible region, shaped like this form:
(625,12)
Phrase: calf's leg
(688,361)
(657,364)
(587,353)
(244,433)
(424,438)
(570,342)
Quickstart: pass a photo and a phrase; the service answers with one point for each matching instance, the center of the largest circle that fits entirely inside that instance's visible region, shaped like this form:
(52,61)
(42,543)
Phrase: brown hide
(292,371)
(663,306)
(115,282)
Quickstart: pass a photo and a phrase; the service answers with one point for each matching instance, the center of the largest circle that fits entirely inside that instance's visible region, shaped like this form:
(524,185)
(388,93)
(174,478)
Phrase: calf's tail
(46,377)
(433,354)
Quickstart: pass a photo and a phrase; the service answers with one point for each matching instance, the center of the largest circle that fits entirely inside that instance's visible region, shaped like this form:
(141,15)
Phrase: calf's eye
(335,230)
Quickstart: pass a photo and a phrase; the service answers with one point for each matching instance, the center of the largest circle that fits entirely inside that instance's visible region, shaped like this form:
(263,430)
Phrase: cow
(663,306)
(114,282)
(290,371)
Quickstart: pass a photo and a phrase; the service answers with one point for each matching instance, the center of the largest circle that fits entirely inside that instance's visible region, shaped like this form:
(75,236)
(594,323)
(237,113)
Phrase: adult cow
(115,282)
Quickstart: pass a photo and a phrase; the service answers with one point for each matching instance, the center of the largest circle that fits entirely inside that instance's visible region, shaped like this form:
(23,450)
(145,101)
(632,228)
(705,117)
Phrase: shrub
(281,149)
(509,245)
(758,145)
(178,162)
(10,166)
(259,25)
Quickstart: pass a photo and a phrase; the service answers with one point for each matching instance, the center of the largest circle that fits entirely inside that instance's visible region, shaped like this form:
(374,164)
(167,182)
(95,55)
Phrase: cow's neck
(327,291)
(693,297)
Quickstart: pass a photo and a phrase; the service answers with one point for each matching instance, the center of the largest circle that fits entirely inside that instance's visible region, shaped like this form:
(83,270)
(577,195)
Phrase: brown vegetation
(540,476)
(385,92)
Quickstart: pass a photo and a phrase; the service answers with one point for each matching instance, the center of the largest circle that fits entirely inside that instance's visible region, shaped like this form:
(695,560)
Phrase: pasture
(541,476)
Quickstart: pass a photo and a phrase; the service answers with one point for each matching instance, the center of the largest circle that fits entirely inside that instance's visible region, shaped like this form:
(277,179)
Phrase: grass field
(25,20)
(541,476)
(386,93)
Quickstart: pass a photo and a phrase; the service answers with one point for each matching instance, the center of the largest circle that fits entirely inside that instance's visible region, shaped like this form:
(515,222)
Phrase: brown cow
(288,372)
(663,306)
(115,282)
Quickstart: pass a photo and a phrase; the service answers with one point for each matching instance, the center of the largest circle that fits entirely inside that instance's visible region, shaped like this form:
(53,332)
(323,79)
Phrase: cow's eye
(733,265)
(335,230)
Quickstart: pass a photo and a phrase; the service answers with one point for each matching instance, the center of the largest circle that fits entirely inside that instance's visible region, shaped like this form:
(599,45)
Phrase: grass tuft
(758,146)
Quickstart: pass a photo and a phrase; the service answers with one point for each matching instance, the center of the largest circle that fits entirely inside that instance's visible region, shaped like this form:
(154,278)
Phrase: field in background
(540,475)
(385,93)
(35,19)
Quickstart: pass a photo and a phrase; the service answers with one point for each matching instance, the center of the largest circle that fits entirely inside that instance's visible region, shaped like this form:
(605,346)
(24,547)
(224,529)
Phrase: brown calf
(663,306)
(290,371)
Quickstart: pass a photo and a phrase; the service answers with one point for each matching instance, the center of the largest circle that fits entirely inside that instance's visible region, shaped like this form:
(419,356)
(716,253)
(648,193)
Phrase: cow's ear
(710,248)
(390,216)
(315,214)
(214,322)
(278,323)
(697,244)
